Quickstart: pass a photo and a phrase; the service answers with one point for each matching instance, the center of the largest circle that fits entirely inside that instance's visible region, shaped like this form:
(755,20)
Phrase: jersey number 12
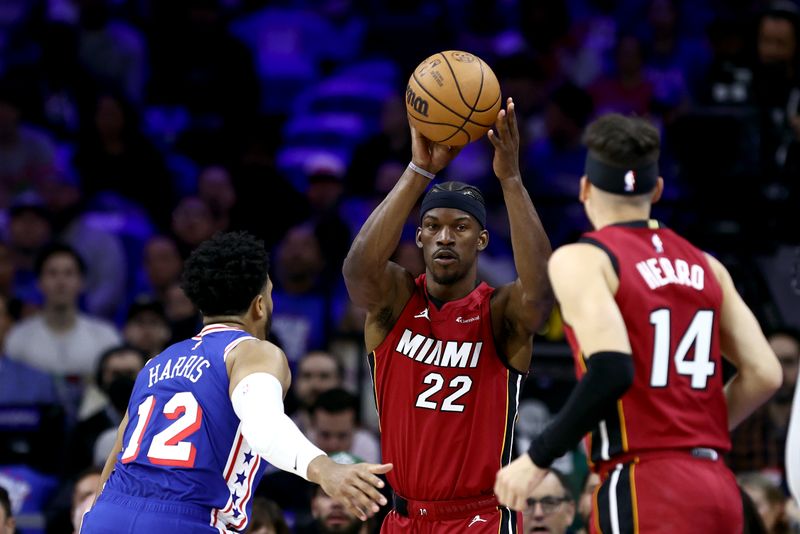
(167,447)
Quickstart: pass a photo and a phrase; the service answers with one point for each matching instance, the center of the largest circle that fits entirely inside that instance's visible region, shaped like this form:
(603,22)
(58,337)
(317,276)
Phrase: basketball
(453,98)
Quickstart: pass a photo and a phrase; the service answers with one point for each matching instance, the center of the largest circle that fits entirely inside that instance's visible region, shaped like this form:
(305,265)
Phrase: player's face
(332,516)
(555,515)
(450,240)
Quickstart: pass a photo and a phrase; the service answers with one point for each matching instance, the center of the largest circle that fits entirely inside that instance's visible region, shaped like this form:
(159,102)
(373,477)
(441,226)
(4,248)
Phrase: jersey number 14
(697,335)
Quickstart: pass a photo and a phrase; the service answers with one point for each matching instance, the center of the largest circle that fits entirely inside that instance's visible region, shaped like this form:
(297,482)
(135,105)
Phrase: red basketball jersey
(670,300)
(446,401)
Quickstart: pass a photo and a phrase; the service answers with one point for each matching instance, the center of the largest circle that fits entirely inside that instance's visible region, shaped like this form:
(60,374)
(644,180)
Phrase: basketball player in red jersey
(649,316)
(448,354)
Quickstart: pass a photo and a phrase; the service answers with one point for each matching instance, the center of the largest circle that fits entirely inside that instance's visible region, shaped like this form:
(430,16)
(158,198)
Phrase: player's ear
(483,240)
(583,191)
(658,190)
(258,307)
(418,236)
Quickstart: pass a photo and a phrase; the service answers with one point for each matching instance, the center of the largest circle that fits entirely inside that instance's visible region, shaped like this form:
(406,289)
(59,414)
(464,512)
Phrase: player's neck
(227,320)
(446,293)
(619,214)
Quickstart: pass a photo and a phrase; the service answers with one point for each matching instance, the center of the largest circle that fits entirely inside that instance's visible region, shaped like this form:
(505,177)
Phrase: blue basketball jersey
(183,442)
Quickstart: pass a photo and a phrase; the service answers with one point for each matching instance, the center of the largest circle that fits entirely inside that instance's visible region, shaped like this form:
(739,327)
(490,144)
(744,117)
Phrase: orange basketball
(453,97)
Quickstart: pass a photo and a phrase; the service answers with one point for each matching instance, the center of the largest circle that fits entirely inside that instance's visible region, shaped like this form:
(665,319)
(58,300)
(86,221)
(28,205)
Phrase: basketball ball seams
(458,85)
(472,107)
(499,95)
(445,106)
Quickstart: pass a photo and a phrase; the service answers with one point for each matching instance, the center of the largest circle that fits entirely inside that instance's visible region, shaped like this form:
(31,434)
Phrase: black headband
(464,200)
(621,180)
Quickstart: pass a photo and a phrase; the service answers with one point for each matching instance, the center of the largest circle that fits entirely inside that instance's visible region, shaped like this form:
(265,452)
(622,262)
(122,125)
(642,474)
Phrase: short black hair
(623,141)
(336,400)
(58,248)
(5,502)
(225,273)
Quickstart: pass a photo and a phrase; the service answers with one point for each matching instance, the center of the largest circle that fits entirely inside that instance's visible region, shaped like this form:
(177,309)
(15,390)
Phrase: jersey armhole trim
(233,344)
(611,256)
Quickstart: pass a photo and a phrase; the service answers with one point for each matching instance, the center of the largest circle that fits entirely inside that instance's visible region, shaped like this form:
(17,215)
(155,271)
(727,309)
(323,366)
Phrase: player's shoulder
(578,257)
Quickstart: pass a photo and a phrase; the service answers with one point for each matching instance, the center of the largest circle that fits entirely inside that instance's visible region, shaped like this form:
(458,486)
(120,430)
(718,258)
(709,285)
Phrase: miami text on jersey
(658,272)
(429,350)
(190,367)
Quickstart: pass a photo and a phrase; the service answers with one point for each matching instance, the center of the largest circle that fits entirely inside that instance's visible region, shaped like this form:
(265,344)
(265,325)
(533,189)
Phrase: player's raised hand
(516,482)
(355,486)
(505,139)
(431,156)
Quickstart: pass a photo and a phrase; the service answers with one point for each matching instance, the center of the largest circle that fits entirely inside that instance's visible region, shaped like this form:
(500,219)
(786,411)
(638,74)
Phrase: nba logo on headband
(630,181)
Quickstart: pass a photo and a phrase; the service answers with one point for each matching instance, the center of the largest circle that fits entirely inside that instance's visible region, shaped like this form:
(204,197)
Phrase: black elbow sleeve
(608,376)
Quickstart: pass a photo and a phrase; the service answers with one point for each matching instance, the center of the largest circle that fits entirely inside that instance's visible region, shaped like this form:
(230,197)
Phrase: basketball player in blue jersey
(206,415)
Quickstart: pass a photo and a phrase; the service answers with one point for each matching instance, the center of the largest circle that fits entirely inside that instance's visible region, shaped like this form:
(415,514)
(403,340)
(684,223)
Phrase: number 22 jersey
(446,401)
(183,442)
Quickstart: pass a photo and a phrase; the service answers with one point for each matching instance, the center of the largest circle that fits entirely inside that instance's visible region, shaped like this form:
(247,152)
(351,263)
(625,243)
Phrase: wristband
(421,171)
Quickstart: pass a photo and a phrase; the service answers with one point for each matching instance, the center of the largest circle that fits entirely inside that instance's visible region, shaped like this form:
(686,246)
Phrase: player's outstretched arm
(530,297)
(589,307)
(373,282)
(259,378)
(743,343)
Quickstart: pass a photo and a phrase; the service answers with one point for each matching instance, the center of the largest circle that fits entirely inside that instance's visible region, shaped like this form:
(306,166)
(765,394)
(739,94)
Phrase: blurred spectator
(392,144)
(162,265)
(626,90)
(215,187)
(192,223)
(7,522)
(29,230)
(758,443)
(586,498)
(324,192)
(112,50)
(777,94)
(83,496)
(61,339)
(184,319)
(551,507)
(26,154)
(334,426)
(116,374)
(330,517)
(146,327)
(522,77)
(7,270)
(301,317)
(114,156)
(190,48)
(21,384)
(676,63)
(769,500)
(106,273)
(266,518)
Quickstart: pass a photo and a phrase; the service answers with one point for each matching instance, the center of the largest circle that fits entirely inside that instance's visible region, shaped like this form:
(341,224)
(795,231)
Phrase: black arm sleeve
(608,376)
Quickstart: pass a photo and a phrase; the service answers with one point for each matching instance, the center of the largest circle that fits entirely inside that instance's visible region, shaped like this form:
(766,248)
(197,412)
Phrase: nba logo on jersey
(630,181)
(657,244)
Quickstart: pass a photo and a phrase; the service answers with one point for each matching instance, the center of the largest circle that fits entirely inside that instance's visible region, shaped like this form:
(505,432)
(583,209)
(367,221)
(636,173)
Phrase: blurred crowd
(132,130)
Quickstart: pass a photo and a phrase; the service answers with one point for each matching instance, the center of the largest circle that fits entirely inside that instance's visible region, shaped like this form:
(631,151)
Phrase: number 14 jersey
(670,300)
(183,442)
(446,401)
